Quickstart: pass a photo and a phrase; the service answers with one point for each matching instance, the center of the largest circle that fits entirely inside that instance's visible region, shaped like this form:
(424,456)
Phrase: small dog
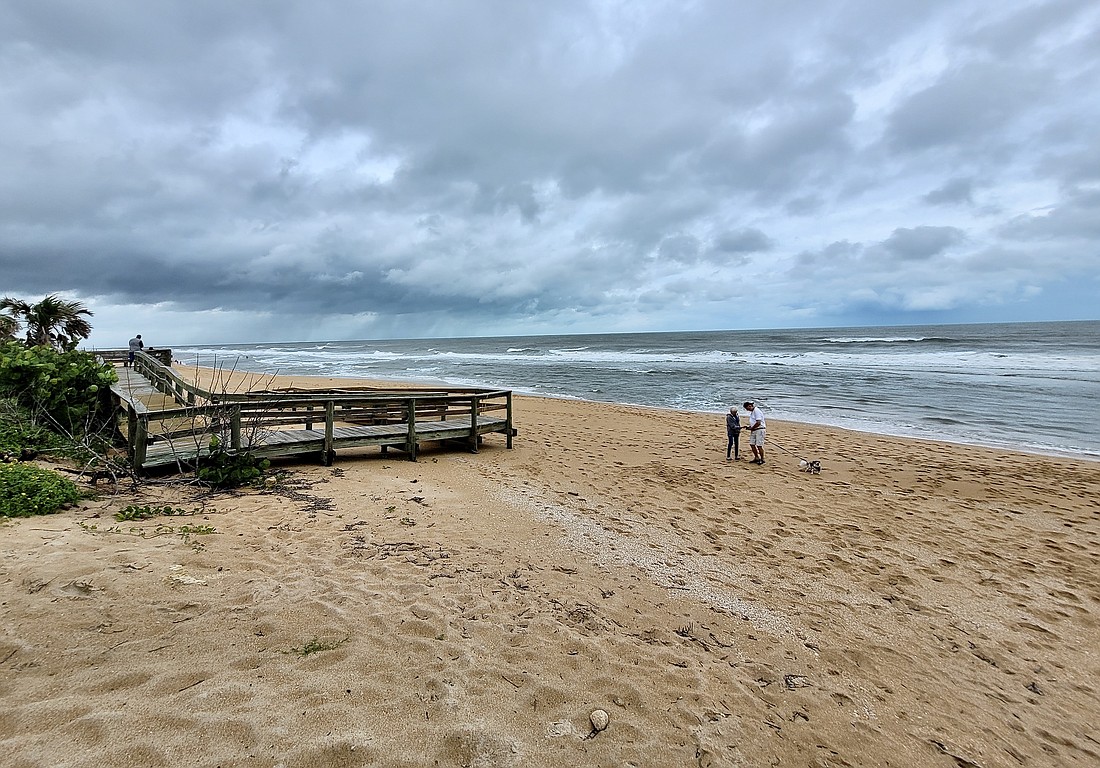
(813,467)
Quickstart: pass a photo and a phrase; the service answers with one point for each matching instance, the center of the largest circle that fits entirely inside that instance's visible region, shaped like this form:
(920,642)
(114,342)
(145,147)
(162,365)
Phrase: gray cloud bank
(278,170)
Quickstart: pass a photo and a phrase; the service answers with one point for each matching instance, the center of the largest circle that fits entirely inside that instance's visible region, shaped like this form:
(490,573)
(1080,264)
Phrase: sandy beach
(915,604)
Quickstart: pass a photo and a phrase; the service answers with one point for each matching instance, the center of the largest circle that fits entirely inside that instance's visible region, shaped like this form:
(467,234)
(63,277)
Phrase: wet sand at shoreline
(915,604)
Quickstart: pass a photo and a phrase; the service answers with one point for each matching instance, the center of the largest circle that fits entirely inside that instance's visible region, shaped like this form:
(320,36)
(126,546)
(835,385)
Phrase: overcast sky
(254,170)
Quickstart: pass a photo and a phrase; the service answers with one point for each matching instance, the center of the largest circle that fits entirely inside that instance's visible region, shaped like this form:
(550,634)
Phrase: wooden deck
(303,442)
(169,422)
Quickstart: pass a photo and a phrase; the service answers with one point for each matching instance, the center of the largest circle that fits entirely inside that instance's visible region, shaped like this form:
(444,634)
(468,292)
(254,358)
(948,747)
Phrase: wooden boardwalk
(298,442)
(169,422)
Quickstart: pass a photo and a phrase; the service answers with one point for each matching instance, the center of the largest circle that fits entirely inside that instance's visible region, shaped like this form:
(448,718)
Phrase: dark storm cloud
(903,249)
(954,191)
(1076,218)
(1025,26)
(837,256)
(799,143)
(749,240)
(964,104)
(1076,160)
(921,242)
(804,206)
(514,164)
(681,248)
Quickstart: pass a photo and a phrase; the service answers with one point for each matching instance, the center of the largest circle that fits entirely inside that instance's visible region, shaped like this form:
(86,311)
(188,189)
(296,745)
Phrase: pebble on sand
(600,719)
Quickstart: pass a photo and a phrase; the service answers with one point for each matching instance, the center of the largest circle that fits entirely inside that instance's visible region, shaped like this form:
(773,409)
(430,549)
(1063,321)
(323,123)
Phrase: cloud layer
(276,170)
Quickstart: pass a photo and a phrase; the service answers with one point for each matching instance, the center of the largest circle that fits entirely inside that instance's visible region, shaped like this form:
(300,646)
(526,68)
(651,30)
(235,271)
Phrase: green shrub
(18,432)
(26,489)
(70,391)
(316,645)
(145,512)
(226,469)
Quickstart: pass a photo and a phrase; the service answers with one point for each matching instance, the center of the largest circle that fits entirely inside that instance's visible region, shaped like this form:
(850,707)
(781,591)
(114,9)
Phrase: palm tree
(9,326)
(9,323)
(52,321)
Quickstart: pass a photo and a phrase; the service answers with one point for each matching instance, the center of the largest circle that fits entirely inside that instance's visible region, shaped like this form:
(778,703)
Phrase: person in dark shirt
(733,433)
(136,345)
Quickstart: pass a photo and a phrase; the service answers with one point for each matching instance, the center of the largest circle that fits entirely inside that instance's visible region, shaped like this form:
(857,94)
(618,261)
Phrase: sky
(205,171)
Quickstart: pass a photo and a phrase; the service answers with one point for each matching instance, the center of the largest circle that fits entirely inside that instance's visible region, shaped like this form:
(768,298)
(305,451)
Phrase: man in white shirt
(757,431)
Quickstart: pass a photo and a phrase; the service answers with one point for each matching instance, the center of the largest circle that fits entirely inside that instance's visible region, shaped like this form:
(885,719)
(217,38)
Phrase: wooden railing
(186,392)
(123,355)
(284,423)
(168,381)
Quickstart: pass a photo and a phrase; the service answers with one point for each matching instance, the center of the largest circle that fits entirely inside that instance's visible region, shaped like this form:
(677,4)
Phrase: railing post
(141,438)
(410,440)
(235,428)
(330,418)
(475,403)
(131,430)
(508,421)
(309,417)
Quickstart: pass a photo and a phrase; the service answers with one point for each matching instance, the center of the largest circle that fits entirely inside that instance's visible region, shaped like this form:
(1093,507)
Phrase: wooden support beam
(131,431)
(508,421)
(141,441)
(330,423)
(410,441)
(475,403)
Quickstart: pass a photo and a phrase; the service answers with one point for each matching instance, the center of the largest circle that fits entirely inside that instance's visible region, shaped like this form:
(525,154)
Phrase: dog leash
(802,459)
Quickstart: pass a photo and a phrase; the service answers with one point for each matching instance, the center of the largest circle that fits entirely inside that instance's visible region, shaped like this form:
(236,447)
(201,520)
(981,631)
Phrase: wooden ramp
(169,422)
(138,395)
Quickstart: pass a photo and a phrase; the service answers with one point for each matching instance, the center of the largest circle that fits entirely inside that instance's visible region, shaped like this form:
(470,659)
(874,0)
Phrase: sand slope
(916,604)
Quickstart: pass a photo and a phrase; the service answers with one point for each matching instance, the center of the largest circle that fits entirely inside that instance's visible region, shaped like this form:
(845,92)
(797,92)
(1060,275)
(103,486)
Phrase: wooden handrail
(166,380)
(158,372)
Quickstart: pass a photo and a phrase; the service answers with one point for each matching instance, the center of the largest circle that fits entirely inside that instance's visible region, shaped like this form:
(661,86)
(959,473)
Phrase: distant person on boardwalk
(757,431)
(733,433)
(136,344)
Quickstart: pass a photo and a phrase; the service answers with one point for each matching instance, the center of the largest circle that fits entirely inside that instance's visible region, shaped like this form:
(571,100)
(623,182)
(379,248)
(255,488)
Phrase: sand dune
(915,604)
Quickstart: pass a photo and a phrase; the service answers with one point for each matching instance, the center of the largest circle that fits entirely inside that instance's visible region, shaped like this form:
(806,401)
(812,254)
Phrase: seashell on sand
(600,719)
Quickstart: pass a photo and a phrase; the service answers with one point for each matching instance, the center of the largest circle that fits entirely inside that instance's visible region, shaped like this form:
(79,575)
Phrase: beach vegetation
(224,468)
(162,529)
(9,326)
(188,530)
(187,533)
(20,436)
(52,322)
(65,391)
(27,489)
(316,645)
(146,512)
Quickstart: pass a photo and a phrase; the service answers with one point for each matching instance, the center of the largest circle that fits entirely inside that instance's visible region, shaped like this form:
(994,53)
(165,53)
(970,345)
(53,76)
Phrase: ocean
(1028,386)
